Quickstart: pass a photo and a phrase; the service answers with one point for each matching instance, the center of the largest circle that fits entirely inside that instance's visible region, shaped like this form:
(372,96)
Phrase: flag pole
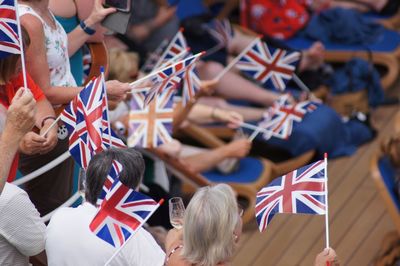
(326,201)
(108,117)
(300,83)
(236,59)
(21,45)
(51,126)
(130,237)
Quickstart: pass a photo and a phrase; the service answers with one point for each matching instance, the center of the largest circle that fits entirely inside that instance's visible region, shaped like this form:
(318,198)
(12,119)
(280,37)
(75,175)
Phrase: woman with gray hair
(211,229)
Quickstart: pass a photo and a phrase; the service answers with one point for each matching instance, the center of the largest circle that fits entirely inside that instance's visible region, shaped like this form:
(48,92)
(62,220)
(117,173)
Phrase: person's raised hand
(21,113)
(116,91)
(98,13)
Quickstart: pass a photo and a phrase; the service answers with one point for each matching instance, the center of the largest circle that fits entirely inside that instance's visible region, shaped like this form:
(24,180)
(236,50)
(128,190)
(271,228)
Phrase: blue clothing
(76,60)
(324,131)
(344,26)
(358,75)
(189,8)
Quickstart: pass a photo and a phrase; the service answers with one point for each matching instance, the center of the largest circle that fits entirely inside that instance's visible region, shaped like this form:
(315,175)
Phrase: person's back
(22,232)
(69,241)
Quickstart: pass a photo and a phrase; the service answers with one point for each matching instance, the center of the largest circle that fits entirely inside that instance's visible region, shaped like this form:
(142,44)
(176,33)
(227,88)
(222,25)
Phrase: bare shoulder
(63,8)
(32,24)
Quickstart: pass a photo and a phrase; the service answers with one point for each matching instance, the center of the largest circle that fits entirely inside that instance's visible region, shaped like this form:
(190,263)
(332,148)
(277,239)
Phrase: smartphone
(121,5)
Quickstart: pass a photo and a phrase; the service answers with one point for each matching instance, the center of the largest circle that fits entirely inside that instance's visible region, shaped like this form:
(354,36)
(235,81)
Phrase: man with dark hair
(69,240)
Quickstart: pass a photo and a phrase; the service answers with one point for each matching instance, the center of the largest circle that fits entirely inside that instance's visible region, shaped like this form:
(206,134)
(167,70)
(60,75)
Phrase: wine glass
(176,212)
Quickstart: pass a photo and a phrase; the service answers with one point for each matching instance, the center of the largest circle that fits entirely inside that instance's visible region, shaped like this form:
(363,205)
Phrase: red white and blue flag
(280,118)
(300,191)
(153,57)
(221,31)
(177,46)
(151,126)
(270,66)
(169,77)
(116,169)
(122,214)
(86,119)
(9,40)
(191,84)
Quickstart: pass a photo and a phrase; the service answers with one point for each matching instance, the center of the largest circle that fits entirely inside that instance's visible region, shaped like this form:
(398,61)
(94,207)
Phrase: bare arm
(78,36)
(37,65)
(202,114)
(208,159)
(20,119)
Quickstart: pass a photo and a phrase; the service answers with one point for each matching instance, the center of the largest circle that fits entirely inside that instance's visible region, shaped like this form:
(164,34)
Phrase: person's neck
(41,6)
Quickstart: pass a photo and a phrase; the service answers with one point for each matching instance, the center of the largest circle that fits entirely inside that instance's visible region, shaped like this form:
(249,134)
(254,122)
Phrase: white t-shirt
(22,231)
(69,241)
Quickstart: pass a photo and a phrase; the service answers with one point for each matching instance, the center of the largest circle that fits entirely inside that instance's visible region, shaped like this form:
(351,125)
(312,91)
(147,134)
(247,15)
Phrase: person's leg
(233,86)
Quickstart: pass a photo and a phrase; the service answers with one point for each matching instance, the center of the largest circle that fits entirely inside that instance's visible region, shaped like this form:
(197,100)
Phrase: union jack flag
(221,31)
(280,117)
(116,169)
(169,77)
(153,57)
(86,119)
(300,191)
(191,84)
(122,214)
(152,125)
(271,67)
(177,46)
(9,40)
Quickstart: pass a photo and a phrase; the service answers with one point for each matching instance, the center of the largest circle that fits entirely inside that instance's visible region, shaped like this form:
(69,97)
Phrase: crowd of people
(54,35)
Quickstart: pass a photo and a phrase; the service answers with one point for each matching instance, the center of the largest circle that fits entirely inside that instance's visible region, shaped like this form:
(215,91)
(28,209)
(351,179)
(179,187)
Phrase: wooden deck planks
(294,240)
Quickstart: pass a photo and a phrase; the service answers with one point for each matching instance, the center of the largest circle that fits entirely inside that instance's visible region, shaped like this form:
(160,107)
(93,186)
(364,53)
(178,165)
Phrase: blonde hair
(210,221)
(123,65)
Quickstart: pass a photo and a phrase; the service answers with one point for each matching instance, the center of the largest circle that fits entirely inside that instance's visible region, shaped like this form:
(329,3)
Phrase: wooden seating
(383,175)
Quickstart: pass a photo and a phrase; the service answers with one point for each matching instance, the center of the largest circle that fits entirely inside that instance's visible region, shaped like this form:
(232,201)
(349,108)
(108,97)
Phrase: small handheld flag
(300,191)
(272,67)
(121,214)
(116,169)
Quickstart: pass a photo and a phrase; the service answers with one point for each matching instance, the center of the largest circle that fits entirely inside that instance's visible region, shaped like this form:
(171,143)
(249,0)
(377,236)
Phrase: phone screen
(123,5)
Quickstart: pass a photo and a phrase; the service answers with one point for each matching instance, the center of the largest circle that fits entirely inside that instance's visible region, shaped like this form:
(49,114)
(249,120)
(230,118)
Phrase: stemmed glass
(176,212)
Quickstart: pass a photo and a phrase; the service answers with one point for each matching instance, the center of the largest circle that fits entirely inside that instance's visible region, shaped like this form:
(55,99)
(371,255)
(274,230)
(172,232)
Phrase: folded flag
(122,213)
(279,119)
(270,66)
(116,169)
(86,119)
(151,126)
(300,191)
(9,40)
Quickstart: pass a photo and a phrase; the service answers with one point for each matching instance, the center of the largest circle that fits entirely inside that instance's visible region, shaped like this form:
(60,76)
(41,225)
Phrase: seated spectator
(22,232)
(211,230)
(69,240)
(11,80)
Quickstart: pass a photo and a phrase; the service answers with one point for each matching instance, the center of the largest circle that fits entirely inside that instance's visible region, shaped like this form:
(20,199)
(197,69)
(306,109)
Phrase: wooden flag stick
(326,201)
(21,45)
(103,81)
(236,59)
(130,237)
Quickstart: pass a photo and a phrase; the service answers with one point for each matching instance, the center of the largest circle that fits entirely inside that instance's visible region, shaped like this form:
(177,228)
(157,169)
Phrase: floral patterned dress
(56,42)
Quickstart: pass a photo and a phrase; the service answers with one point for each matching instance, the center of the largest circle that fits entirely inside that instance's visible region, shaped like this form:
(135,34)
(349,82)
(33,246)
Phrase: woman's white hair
(210,220)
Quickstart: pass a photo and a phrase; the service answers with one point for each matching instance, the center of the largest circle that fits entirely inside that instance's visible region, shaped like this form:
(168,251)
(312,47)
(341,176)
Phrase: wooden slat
(294,240)
(366,253)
